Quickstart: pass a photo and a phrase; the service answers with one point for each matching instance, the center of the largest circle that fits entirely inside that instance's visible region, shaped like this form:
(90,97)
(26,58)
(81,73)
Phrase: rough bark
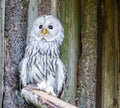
(88,60)
(15,34)
(70,18)
(108,56)
(2,14)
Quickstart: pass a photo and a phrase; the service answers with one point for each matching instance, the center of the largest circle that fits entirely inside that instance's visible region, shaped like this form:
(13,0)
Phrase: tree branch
(38,98)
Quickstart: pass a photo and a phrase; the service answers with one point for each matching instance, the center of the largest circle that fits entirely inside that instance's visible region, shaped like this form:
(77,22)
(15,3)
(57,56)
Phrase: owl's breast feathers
(43,48)
(42,61)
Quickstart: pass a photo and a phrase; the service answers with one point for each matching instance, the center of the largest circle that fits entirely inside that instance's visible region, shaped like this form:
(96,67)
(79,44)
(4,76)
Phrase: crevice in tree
(100,22)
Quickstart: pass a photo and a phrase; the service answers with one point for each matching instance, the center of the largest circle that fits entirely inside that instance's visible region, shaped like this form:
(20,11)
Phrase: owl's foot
(51,91)
(42,86)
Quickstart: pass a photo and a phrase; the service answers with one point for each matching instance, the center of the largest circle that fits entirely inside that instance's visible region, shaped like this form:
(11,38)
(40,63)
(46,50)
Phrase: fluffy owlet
(41,64)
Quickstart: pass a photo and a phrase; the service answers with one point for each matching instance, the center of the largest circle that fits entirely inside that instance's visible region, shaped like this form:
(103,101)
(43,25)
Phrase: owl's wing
(20,83)
(22,68)
(61,80)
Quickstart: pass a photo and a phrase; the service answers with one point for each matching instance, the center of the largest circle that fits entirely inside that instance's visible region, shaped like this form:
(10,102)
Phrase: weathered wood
(2,16)
(15,34)
(55,10)
(88,59)
(39,98)
(70,18)
(108,57)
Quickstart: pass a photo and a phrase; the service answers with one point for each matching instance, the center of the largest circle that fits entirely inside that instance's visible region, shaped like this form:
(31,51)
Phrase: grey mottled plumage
(41,64)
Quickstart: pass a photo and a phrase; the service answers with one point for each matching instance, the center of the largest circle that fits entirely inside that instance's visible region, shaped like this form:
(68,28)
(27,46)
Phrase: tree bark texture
(2,15)
(70,50)
(15,35)
(88,61)
(108,56)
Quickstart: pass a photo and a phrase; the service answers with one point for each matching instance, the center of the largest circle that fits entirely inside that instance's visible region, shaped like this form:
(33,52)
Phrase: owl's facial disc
(47,28)
(44,31)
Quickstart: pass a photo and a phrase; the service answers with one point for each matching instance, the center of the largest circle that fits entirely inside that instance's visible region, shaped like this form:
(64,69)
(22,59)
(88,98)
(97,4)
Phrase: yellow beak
(44,31)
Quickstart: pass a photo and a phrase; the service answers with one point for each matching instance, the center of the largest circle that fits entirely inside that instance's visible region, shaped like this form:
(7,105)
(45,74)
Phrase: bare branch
(39,98)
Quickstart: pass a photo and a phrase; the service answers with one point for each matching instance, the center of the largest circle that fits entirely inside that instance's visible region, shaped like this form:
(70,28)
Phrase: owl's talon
(50,91)
(41,86)
(53,94)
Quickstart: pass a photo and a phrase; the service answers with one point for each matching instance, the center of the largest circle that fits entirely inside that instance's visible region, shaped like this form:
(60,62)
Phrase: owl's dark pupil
(50,27)
(40,26)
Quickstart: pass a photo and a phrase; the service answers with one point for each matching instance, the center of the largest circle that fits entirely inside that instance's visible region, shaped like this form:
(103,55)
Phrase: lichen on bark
(87,64)
(15,35)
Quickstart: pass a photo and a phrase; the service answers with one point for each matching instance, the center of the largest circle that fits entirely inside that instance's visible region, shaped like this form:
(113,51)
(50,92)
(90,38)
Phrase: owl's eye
(50,27)
(40,26)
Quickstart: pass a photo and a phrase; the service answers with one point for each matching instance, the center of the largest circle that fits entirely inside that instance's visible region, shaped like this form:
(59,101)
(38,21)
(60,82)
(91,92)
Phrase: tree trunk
(15,35)
(88,60)
(108,56)
(2,15)
(70,50)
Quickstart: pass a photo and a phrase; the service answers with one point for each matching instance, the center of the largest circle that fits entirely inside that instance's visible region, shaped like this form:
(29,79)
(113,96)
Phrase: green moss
(70,18)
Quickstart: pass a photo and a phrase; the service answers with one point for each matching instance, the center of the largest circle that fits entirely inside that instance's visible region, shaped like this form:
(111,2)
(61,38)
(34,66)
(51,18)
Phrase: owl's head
(47,28)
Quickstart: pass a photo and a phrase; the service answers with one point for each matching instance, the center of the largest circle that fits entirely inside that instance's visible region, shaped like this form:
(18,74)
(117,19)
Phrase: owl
(41,64)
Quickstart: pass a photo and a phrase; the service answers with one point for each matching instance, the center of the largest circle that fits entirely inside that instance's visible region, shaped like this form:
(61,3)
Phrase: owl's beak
(44,31)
